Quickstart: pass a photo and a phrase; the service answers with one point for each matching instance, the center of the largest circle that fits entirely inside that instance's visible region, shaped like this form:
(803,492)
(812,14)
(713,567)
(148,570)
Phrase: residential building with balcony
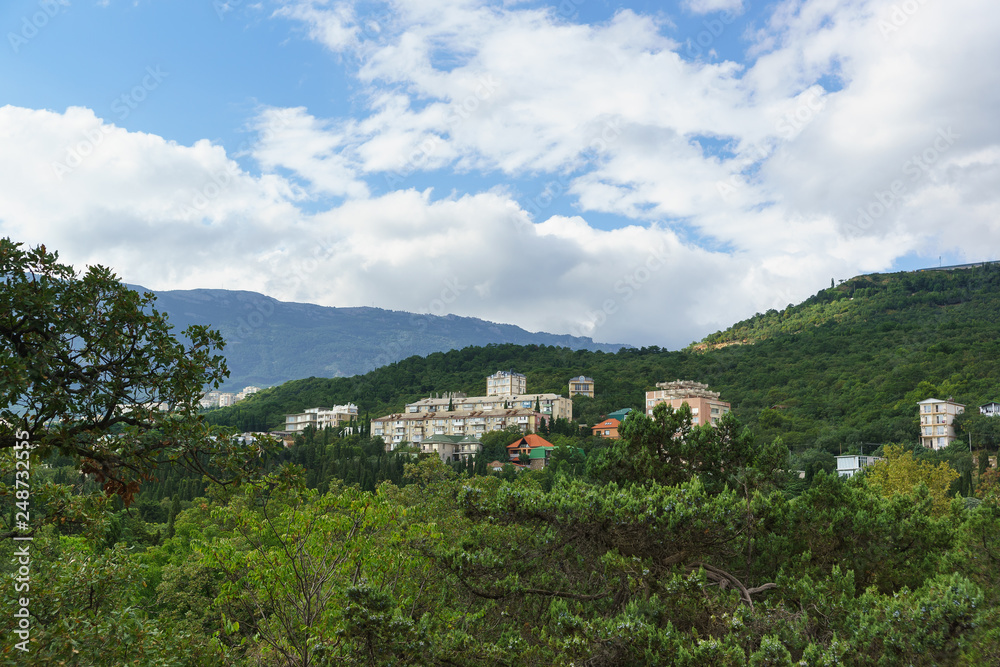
(451,447)
(552,406)
(582,386)
(320,418)
(936,419)
(706,408)
(506,383)
(415,427)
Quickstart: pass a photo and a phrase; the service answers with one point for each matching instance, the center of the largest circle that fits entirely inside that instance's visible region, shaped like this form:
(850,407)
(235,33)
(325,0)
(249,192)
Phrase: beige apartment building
(506,383)
(936,419)
(582,385)
(415,427)
(320,418)
(706,408)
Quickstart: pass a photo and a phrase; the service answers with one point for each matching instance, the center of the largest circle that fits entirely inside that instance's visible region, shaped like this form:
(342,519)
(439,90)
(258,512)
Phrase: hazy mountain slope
(269,341)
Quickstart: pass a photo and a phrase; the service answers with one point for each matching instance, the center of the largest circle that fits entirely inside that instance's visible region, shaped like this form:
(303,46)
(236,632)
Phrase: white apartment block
(218,399)
(223,399)
(506,383)
(415,427)
(706,408)
(320,418)
(552,406)
(247,391)
(936,419)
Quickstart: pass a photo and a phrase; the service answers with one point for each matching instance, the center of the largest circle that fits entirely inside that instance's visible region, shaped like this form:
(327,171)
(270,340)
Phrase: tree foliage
(901,473)
(90,370)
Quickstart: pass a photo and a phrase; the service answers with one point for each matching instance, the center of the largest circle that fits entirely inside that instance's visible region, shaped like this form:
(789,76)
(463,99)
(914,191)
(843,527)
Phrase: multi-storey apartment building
(415,427)
(320,418)
(706,408)
(506,383)
(582,385)
(936,419)
(552,406)
(223,399)
(452,447)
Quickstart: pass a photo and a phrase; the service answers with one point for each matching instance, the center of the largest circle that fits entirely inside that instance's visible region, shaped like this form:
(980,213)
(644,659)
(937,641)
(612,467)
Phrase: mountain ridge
(269,341)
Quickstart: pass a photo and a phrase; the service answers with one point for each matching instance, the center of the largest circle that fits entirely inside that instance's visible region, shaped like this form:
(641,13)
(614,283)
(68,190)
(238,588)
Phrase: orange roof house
(606,429)
(525,445)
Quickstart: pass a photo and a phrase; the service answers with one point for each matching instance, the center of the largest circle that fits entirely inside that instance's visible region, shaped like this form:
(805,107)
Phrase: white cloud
(737,185)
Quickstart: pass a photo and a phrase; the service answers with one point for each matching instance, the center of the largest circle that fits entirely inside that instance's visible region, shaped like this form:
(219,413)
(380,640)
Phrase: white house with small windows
(848,466)
(990,409)
(936,419)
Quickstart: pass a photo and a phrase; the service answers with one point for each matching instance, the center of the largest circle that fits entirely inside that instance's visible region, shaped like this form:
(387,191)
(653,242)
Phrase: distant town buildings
(223,399)
(457,415)
(506,383)
(936,419)
(706,408)
(582,386)
(320,418)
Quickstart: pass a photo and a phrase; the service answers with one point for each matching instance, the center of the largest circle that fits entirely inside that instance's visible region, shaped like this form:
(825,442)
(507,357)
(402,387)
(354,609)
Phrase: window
(607,433)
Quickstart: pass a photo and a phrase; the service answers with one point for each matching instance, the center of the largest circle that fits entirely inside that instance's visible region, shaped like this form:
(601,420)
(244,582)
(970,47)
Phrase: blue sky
(636,172)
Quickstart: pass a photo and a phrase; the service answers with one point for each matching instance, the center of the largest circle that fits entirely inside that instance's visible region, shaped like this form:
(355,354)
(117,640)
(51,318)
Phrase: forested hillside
(845,367)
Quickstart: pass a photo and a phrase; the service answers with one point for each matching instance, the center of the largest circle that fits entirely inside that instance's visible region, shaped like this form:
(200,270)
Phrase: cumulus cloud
(851,135)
